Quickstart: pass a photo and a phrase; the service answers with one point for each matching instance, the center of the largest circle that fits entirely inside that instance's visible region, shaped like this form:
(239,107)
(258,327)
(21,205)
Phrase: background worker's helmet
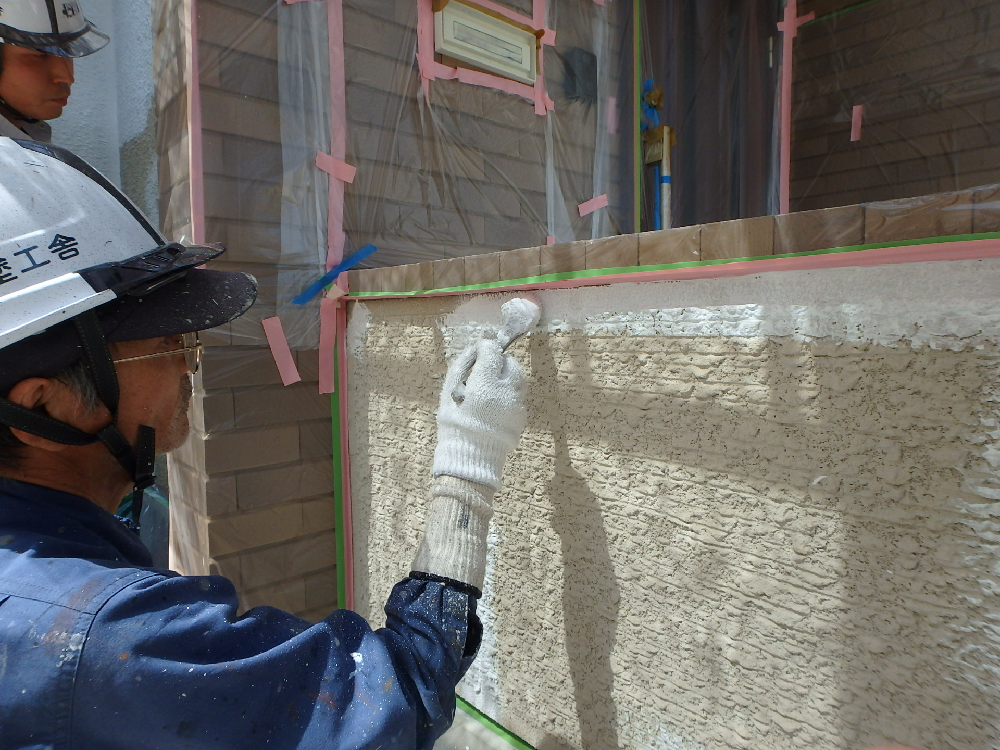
(80,266)
(55,27)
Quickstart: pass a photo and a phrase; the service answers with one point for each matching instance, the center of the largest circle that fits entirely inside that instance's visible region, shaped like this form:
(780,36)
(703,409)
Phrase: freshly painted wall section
(751,512)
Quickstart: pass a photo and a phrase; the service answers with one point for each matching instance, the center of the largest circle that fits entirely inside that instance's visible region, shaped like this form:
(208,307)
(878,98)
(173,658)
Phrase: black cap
(199,300)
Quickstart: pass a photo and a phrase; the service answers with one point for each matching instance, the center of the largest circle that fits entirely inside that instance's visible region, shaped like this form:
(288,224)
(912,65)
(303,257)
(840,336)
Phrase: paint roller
(517,317)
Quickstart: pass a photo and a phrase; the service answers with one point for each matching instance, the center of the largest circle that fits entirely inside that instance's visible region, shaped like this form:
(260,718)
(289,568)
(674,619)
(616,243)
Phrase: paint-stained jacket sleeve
(168,664)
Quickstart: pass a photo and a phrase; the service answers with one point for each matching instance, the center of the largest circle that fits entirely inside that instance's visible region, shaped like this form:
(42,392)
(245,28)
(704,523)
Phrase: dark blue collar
(57,524)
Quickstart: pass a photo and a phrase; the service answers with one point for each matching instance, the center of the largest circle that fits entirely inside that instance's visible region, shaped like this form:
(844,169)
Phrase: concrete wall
(754,512)
(111,117)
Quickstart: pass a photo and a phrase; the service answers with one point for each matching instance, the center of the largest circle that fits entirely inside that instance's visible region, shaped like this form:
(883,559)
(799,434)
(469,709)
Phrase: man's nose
(61,69)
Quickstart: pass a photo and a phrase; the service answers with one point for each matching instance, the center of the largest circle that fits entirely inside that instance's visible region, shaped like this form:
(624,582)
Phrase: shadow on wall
(712,541)
(590,594)
(759,539)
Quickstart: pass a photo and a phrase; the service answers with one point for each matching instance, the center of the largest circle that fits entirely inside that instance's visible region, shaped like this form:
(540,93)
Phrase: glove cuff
(475,461)
(454,542)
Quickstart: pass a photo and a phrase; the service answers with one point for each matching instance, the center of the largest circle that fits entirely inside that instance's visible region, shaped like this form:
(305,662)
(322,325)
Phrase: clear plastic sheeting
(716,63)
(254,94)
(445,168)
(893,99)
(466,169)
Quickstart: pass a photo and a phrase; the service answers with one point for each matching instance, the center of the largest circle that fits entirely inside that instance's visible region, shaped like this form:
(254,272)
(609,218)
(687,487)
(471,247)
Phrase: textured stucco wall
(754,512)
(111,117)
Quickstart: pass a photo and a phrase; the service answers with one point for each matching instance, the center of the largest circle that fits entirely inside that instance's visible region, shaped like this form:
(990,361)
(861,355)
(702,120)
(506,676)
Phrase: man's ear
(59,402)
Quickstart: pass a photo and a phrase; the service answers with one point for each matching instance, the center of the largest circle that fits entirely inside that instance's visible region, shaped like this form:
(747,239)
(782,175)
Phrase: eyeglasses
(192,352)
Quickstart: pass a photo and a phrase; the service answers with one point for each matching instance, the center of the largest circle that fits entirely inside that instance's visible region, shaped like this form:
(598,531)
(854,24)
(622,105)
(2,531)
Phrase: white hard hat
(56,27)
(71,242)
(80,266)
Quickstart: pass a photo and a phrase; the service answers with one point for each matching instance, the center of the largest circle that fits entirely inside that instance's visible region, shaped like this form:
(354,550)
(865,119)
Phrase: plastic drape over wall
(251,492)
(444,168)
(717,64)
(449,170)
(465,169)
(893,99)
(172,147)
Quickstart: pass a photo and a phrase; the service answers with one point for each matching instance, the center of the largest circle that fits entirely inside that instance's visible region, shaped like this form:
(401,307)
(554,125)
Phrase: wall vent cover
(485,41)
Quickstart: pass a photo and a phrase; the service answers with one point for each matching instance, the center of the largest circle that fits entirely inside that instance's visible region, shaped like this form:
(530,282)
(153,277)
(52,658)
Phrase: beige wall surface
(756,512)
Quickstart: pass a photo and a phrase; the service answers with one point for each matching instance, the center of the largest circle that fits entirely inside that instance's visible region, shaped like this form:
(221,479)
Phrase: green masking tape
(599,272)
(490,724)
(475,713)
(338,487)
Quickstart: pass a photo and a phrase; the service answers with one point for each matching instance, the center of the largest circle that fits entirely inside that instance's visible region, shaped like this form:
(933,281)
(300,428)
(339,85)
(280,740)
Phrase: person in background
(38,41)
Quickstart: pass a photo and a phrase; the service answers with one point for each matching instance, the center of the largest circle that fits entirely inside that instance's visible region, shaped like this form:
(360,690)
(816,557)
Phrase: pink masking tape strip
(425,38)
(279,350)
(538,13)
(550,240)
(856,116)
(336,167)
(588,207)
(511,14)
(549,104)
(345,455)
(338,150)
(790,29)
(476,78)
(935,251)
(327,343)
(196,165)
(338,129)
(549,37)
(542,102)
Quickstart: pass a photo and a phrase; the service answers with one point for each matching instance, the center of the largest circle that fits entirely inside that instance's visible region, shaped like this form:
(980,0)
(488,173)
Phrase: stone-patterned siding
(924,71)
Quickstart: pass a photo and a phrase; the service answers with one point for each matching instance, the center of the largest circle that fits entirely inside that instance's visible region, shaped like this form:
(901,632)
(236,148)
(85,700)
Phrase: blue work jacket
(100,651)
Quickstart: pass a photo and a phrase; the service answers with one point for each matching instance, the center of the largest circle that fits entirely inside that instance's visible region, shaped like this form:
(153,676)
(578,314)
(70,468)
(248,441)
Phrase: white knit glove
(476,435)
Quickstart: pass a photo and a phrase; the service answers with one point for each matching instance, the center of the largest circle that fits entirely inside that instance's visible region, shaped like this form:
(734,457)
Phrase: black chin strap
(138,461)
(12,114)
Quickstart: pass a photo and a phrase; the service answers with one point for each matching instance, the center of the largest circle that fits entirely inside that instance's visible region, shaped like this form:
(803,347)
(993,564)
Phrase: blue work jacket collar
(70,526)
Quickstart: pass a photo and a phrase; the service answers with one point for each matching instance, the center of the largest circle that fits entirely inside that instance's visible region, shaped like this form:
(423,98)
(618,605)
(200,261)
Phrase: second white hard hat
(56,27)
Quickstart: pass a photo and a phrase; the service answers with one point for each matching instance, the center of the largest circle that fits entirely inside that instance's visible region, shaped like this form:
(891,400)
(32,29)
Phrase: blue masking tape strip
(665,180)
(345,265)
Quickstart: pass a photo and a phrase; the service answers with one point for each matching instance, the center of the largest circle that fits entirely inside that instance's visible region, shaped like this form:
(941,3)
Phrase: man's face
(154,392)
(35,84)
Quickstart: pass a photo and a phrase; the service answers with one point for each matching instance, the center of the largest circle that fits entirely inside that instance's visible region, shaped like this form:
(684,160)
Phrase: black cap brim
(200,300)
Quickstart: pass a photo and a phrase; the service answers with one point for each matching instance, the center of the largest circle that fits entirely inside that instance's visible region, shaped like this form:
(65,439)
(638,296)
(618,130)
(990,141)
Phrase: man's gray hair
(75,377)
(79,380)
